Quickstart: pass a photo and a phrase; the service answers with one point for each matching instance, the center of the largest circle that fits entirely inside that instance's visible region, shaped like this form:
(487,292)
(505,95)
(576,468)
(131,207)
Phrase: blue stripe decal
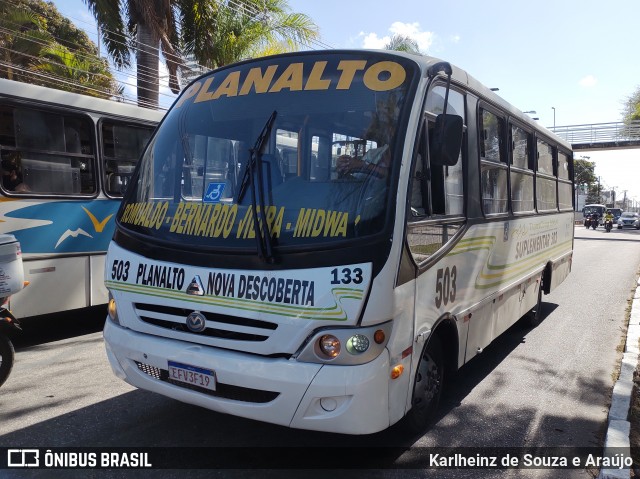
(72,226)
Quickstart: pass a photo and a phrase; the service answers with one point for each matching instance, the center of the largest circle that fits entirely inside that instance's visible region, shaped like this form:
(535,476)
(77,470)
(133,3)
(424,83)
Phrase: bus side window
(419,199)
(122,145)
(495,198)
(55,153)
(438,173)
(447,185)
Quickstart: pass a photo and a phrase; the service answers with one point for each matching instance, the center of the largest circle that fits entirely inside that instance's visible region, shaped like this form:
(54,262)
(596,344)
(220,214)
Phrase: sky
(573,62)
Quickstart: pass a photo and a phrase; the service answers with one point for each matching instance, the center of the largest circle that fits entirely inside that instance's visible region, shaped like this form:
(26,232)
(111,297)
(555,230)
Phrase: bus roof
(462,77)
(51,96)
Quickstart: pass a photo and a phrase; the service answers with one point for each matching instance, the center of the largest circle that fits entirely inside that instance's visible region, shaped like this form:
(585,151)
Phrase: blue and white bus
(332,281)
(65,160)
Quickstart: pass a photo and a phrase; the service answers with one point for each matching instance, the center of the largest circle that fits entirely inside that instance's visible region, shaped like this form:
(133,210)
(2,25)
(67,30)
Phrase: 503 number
(120,270)
(446,286)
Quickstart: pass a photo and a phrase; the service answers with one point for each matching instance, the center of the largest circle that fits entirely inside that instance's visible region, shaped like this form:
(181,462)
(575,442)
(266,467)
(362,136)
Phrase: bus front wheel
(427,387)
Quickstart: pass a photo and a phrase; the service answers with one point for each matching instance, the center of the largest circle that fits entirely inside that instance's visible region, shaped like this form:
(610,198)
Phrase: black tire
(7,354)
(427,387)
(534,317)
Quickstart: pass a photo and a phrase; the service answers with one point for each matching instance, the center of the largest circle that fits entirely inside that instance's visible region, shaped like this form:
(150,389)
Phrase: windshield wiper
(260,225)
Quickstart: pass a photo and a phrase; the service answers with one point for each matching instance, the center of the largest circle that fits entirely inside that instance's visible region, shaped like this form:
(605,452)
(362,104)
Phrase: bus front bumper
(340,399)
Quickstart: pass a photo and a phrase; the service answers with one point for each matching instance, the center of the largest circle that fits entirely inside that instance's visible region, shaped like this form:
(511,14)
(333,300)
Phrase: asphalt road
(549,386)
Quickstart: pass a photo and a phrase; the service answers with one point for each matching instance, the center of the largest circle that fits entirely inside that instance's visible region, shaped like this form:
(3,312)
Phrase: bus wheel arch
(438,360)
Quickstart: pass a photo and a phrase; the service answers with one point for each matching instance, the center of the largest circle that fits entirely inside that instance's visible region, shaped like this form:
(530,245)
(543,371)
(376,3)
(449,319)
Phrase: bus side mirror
(446,140)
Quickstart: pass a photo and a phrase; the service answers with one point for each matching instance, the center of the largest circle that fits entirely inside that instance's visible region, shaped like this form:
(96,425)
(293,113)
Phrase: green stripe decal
(330,313)
(502,272)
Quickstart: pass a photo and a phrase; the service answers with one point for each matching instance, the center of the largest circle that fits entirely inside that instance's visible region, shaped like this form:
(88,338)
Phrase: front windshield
(323,172)
(590,210)
(629,215)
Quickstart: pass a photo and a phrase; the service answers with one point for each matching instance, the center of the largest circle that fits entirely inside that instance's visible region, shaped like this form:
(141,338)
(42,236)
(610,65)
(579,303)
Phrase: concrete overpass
(601,136)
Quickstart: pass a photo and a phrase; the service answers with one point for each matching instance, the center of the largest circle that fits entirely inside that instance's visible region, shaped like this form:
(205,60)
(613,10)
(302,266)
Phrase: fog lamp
(329,345)
(358,343)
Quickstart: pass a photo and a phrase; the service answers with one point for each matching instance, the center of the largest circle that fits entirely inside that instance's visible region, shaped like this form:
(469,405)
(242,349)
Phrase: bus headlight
(357,344)
(345,346)
(329,345)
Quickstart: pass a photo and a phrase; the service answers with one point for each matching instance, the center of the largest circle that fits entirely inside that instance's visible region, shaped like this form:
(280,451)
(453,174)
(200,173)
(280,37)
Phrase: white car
(630,220)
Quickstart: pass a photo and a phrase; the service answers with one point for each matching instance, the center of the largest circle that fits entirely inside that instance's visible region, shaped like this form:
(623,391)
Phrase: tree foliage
(213,32)
(632,107)
(403,43)
(584,175)
(38,45)
(584,172)
(224,35)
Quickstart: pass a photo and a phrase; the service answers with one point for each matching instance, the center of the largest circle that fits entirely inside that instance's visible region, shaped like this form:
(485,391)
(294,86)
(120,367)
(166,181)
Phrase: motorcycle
(591,221)
(12,282)
(608,225)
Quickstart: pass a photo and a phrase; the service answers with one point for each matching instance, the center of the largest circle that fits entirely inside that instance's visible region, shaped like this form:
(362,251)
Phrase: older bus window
(122,145)
(45,152)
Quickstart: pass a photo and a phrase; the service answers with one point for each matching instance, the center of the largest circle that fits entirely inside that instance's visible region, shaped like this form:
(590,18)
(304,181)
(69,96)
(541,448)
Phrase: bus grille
(226,327)
(226,391)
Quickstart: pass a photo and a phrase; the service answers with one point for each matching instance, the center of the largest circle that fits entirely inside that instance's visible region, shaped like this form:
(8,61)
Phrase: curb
(619,427)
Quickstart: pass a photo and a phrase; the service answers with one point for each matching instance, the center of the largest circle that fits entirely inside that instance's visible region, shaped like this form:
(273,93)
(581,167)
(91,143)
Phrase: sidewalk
(619,427)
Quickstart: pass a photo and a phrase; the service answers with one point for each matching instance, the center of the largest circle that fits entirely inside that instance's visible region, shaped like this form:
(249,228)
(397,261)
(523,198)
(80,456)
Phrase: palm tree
(403,43)
(214,32)
(224,34)
(21,39)
(81,73)
(38,45)
(146,27)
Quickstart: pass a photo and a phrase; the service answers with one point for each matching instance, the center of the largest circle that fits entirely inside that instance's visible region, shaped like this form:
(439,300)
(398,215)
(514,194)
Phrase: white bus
(65,160)
(323,291)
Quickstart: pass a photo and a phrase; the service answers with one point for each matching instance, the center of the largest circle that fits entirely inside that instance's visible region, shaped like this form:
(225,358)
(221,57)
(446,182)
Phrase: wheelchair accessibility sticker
(214,193)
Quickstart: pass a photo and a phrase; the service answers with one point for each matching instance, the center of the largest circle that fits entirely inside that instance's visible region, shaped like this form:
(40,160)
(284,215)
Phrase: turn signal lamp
(112,310)
(379,336)
(397,371)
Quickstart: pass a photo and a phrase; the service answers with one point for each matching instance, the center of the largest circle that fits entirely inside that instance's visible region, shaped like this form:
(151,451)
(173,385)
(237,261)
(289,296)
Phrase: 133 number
(346,276)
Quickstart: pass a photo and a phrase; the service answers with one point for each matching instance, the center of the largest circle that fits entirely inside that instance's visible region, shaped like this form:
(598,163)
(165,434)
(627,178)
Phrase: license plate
(185,373)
